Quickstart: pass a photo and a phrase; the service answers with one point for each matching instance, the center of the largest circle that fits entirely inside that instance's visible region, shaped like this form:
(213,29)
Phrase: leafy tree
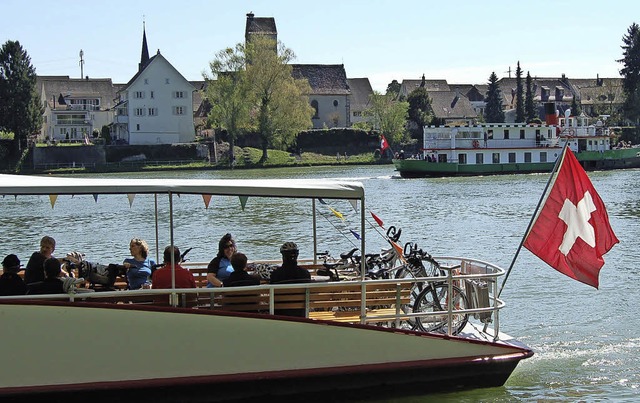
(529,105)
(228,92)
(105,133)
(575,107)
(20,108)
(393,88)
(282,107)
(493,111)
(388,116)
(631,72)
(420,110)
(520,117)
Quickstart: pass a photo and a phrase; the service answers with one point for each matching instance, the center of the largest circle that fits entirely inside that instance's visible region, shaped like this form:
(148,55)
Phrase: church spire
(144,57)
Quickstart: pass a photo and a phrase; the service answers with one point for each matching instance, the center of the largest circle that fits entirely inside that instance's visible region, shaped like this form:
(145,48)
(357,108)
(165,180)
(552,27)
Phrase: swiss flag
(572,231)
(383,143)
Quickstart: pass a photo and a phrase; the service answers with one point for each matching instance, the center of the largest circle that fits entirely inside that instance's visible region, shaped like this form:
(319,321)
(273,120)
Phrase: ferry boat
(192,345)
(490,149)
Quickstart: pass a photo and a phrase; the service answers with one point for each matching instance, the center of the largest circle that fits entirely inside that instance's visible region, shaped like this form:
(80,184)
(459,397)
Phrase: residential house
(407,86)
(361,92)
(156,105)
(599,96)
(74,107)
(330,94)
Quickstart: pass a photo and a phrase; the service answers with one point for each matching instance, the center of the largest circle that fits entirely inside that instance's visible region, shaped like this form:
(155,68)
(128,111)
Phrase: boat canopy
(293,188)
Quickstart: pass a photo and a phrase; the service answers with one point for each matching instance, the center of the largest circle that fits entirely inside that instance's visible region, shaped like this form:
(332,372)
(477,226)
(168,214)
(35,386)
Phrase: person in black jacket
(240,277)
(52,284)
(10,282)
(290,272)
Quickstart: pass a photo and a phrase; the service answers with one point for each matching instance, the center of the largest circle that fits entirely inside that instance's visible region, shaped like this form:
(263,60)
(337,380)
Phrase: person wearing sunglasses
(220,267)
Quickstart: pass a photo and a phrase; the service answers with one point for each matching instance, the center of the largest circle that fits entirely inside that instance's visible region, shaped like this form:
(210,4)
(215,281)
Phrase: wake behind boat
(408,334)
(511,148)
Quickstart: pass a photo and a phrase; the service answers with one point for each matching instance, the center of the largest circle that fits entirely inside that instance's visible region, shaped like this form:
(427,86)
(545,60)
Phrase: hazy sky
(459,41)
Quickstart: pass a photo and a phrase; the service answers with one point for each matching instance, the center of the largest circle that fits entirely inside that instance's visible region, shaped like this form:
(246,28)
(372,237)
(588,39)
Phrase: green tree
(493,112)
(529,105)
(393,88)
(105,133)
(631,73)
(282,108)
(388,116)
(420,110)
(520,116)
(20,108)
(228,92)
(575,107)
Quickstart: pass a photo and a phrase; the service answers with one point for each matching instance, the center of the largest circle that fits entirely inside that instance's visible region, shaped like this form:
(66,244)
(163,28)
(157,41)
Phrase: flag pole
(535,214)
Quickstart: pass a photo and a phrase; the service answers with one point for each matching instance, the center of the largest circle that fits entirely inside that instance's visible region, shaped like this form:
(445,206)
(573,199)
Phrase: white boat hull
(152,352)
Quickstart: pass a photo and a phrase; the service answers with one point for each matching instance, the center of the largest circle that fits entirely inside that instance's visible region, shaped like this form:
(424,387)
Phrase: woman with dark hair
(220,267)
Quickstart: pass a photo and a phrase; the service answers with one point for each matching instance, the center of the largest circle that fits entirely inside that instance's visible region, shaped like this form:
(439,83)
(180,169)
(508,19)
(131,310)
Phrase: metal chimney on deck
(550,116)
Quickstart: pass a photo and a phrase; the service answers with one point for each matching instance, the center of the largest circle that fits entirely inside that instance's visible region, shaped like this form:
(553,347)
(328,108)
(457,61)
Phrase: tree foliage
(20,108)
(389,116)
(420,110)
(282,107)
(529,105)
(493,112)
(229,95)
(520,116)
(631,72)
(393,88)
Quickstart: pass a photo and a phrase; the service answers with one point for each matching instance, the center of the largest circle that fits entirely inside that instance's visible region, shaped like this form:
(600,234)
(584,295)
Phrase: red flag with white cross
(383,143)
(572,231)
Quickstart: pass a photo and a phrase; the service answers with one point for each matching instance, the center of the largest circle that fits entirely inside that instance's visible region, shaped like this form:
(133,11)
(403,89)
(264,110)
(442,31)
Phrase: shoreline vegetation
(245,158)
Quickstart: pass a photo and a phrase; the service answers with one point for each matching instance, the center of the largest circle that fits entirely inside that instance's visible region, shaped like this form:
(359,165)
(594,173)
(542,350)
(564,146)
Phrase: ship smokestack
(550,116)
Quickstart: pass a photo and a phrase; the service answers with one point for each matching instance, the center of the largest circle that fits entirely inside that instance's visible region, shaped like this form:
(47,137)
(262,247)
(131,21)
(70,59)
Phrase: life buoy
(475,144)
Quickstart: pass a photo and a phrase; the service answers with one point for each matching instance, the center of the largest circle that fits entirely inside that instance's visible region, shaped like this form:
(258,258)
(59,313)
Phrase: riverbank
(246,158)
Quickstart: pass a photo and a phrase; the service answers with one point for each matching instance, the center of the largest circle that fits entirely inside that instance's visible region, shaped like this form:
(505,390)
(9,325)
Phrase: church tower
(144,57)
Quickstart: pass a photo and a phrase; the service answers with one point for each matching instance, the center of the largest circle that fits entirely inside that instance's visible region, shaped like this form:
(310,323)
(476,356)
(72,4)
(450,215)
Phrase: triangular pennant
(131,196)
(52,199)
(378,220)
(95,197)
(243,201)
(322,201)
(337,213)
(354,204)
(207,199)
(355,234)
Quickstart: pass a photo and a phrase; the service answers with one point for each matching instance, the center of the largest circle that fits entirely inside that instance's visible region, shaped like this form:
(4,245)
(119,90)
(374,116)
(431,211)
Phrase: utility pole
(81,64)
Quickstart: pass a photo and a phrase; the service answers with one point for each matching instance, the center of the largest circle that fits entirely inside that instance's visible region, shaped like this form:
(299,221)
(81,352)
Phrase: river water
(585,341)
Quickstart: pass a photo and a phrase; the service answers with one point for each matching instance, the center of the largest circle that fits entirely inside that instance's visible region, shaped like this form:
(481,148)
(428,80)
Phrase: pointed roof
(144,56)
(324,79)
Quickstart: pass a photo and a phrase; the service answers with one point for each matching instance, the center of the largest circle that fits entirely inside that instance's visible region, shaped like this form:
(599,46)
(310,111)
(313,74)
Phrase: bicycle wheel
(434,298)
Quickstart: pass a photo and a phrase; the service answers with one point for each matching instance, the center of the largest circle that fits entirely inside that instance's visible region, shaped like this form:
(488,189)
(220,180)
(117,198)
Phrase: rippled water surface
(585,340)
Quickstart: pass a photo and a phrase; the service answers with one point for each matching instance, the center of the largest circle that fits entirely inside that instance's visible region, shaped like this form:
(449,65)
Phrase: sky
(462,41)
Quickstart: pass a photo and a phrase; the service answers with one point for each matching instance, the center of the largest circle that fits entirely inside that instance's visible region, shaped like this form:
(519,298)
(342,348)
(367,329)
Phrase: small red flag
(572,231)
(378,220)
(383,143)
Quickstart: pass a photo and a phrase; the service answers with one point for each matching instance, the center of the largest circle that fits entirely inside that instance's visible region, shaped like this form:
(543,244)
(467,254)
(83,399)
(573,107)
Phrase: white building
(156,105)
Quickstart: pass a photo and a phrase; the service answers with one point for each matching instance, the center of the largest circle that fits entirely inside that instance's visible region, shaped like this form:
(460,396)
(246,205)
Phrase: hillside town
(158,105)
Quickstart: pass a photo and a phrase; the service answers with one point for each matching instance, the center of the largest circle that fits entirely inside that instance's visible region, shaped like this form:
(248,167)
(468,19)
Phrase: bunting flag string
(95,197)
(336,213)
(206,199)
(322,201)
(354,204)
(131,196)
(377,219)
(355,235)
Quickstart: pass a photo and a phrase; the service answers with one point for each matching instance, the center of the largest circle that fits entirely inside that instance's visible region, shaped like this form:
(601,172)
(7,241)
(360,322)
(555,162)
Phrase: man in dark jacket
(10,282)
(290,272)
(52,284)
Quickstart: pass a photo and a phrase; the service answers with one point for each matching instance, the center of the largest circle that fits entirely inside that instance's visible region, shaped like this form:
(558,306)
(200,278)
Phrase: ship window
(506,134)
(462,158)
(490,134)
(543,156)
(479,158)
(496,158)
(512,158)
(527,157)
(522,133)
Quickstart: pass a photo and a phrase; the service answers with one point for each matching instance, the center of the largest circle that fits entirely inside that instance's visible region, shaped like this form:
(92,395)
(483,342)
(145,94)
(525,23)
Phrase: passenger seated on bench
(35,266)
(10,282)
(52,284)
(289,271)
(220,267)
(240,277)
(162,277)
(139,265)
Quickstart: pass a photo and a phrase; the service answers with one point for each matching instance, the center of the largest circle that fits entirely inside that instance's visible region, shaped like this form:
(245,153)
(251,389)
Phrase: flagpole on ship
(535,213)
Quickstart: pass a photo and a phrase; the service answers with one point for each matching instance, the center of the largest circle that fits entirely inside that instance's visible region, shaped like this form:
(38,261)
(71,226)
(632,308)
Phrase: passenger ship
(508,148)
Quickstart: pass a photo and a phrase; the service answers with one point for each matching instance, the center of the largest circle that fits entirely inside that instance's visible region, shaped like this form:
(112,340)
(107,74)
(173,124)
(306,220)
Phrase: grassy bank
(246,158)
